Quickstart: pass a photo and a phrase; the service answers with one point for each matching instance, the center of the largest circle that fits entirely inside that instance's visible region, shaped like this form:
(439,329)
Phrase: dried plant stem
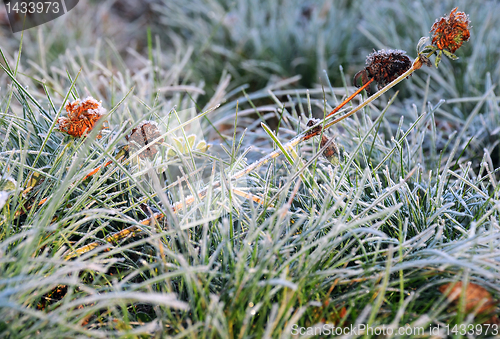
(112,238)
(134,229)
(96,170)
(417,64)
(44,200)
(288,146)
(350,98)
(22,212)
(189,200)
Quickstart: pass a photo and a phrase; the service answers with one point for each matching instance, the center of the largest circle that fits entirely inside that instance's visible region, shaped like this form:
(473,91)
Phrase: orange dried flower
(82,117)
(449,33)
(144,135)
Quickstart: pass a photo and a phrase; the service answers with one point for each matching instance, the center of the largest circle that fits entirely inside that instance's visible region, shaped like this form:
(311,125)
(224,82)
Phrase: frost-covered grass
(414,203)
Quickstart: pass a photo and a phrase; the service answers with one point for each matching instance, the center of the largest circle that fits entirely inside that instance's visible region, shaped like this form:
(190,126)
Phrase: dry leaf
(475,296)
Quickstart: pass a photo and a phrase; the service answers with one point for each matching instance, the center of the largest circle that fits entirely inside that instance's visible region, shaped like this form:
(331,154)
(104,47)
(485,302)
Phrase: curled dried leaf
(146,134)
(332,152)
(476,297)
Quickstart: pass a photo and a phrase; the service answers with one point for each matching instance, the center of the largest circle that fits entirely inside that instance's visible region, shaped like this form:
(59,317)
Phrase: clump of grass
(125,252)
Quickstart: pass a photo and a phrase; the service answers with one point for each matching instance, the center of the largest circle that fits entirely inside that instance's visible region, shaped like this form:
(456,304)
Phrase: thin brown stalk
(94,171)
(350,97)
(113,238)
(44,200)
(288,146)
(307,134)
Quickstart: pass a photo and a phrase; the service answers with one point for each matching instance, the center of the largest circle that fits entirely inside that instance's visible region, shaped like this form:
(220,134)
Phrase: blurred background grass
(258,42)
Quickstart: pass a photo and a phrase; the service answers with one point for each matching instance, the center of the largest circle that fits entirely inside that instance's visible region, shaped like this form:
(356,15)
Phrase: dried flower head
(82,117)
(384,66)
(316,130)
(145,135)
(332,152)
(450,32)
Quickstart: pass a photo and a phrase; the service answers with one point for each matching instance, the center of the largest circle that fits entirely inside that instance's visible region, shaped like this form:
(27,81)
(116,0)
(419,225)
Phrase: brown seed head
(385,66)
(316,130)
(82,117)
(450,32)
(332,151)
(145,135)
